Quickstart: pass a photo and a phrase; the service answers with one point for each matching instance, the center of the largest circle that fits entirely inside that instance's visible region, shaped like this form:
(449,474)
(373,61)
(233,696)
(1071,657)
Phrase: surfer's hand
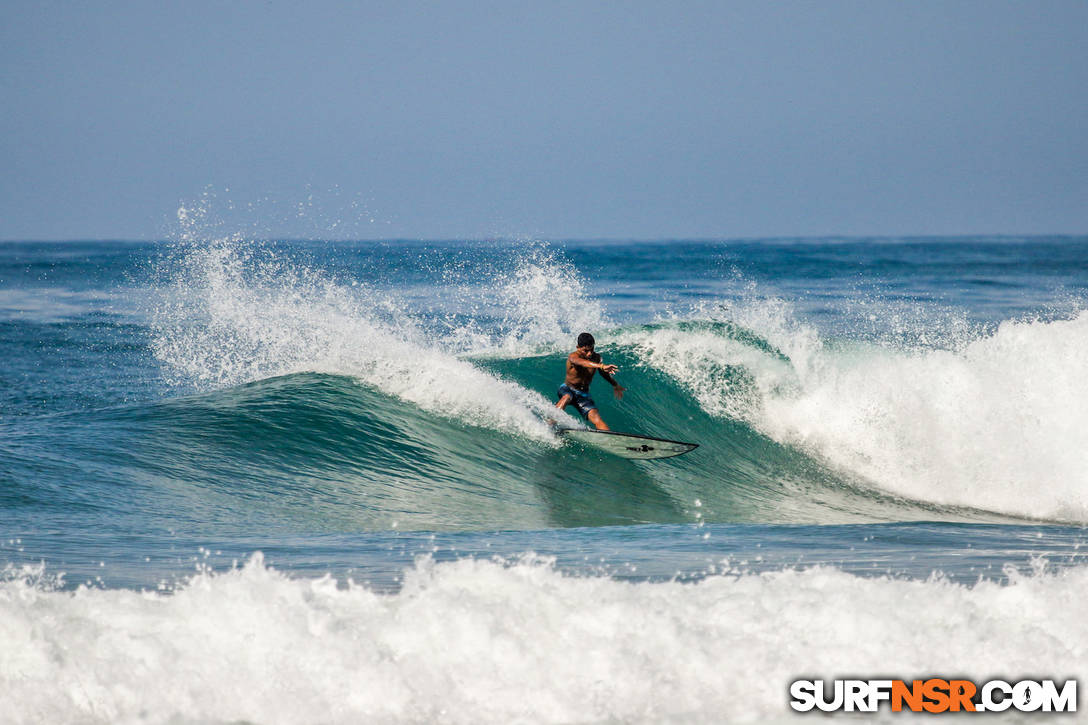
(618,392)
(610,369)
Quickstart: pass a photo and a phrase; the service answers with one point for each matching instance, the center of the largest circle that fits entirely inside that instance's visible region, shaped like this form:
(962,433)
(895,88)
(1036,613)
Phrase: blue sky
(553,120)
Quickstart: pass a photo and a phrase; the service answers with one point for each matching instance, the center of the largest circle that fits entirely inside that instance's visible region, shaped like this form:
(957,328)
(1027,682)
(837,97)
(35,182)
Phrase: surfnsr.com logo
(933,695)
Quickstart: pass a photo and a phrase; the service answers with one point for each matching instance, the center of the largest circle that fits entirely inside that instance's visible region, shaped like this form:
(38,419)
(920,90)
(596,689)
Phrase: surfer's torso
(579,377)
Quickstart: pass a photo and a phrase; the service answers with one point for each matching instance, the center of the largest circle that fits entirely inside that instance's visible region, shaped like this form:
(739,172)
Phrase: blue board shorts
(578,398)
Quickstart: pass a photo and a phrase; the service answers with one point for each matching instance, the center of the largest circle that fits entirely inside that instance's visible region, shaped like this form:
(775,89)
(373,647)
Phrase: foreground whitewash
(479,641)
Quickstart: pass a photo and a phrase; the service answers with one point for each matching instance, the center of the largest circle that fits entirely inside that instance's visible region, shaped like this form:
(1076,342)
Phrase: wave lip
(235,316)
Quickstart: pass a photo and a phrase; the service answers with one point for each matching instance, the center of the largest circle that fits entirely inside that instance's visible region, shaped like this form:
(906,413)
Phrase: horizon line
(575,239)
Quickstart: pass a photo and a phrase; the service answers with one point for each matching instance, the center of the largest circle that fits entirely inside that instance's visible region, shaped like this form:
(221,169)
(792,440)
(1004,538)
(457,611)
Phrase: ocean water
(281,482)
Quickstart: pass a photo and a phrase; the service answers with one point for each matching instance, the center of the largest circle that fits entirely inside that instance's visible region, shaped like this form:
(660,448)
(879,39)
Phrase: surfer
(581,366)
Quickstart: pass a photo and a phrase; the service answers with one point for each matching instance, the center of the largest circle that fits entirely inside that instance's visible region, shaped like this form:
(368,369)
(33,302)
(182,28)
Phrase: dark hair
(586,340)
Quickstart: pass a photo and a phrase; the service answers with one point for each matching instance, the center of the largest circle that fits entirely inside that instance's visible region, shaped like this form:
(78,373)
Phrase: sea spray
(236,313)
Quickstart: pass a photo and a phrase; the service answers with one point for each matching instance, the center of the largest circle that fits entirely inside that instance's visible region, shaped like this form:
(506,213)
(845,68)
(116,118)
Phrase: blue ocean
(279,482)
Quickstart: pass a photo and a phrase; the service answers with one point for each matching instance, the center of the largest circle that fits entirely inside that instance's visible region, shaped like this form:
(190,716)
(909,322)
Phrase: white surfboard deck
(626,445)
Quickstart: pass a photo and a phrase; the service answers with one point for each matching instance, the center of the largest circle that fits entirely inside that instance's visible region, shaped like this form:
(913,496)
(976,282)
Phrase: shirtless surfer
(581,365)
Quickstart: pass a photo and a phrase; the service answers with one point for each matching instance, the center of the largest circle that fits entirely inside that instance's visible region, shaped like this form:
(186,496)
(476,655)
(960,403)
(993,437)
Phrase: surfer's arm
(583,363)
(617,389)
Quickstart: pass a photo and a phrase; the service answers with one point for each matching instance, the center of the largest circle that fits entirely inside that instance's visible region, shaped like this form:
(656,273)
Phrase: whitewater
(269,481)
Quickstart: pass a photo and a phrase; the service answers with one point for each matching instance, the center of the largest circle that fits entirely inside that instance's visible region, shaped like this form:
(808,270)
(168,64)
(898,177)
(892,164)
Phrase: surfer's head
(586,340)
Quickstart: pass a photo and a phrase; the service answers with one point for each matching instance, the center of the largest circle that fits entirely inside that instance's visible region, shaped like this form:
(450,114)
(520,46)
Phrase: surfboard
(627,445)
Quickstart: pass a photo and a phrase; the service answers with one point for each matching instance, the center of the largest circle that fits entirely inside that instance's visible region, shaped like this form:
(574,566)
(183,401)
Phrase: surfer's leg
(594,416)
(563,402)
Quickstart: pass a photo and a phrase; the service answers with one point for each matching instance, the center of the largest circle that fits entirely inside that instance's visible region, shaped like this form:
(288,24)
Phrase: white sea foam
(476,641)
(998,422)
(234,314)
